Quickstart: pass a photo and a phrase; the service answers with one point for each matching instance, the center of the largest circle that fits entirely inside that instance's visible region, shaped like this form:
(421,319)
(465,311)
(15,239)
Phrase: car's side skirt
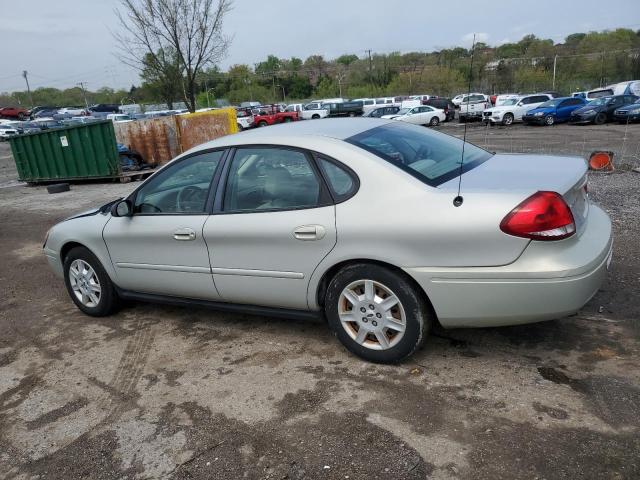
(222,306)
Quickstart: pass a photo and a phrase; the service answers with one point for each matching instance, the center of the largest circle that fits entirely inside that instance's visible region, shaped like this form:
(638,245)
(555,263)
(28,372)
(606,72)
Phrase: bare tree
(190,28)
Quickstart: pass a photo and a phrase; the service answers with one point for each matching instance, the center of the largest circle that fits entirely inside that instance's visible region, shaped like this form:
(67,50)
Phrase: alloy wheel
(372,315)
(85,283)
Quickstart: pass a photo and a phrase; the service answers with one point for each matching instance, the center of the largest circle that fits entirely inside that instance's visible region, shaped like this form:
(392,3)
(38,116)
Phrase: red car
(271,114)
(14,112)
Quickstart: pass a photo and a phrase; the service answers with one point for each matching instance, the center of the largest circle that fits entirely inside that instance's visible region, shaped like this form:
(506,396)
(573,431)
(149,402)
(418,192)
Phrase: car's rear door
(160,249)
(272,225)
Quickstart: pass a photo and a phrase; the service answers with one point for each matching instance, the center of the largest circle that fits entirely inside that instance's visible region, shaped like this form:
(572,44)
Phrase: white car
(472,106)
(72,111)
(244,120)
(7,132)
(422,115)
(513,109)
(500,99)
(313,111)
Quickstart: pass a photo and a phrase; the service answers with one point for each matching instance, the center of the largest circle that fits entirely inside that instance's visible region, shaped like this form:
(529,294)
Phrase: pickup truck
(14,113)
(346,109)
(271,114)
(472,106)
(310,111)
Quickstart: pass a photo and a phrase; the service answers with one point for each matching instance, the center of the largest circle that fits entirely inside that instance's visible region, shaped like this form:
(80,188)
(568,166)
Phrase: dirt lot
(163,392)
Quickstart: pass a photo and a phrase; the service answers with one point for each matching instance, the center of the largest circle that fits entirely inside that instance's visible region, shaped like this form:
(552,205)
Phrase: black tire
(417,312)
(315,116)
(58,188)
(262,123)
(287,119)
(600,119)
(352,114)
(109,301)
(507,119)
(240,128)
(549,120)
(434,122)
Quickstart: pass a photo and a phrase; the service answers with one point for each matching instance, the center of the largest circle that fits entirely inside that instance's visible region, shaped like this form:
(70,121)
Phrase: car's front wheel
(434,122)
(549,120)
(88,284)
(376,313)
(600,119)
(507,119)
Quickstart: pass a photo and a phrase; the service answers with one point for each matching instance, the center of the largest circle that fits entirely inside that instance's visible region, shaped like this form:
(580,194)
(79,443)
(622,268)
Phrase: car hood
(541,109)
(588,108)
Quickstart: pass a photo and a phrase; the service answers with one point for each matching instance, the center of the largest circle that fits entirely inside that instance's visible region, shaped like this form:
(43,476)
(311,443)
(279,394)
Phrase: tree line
(582,61)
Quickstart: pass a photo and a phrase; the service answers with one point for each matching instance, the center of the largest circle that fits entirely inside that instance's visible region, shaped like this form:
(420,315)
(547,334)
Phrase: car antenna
(458,200)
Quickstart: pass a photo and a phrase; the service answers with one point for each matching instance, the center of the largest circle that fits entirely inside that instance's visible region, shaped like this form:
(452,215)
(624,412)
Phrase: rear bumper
(549,280)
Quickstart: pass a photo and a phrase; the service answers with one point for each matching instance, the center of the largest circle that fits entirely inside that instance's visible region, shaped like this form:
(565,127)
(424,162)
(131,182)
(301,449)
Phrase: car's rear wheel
(88,284)
(262,123)
(600,119)
(287,119)
(549,120)
(315,116)
(376,313)
(507,119)
(434,122)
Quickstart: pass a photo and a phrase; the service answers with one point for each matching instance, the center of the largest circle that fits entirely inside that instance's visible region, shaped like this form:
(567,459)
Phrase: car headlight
(634,110)
(589,112)
(538,114)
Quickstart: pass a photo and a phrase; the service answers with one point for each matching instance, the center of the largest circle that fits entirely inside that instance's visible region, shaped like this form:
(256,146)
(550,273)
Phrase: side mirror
(520,104)
(122,209)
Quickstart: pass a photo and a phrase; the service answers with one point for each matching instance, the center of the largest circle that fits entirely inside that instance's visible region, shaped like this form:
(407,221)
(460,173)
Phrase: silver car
(377,226)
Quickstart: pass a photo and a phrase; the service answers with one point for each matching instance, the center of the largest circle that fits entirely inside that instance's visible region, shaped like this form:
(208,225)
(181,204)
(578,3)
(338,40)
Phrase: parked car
(73,111)
(344,109)
(245,119)
(628,113)
(14,113)
(382,111)
(443,104)
(301,206)
(422,98)
(270,115)
(512,110)
(503,97)
(46,113)
(119,117)
(457,100)
(422,115)
(472,106)
(601,109)
(35,110)
(310,111)
(553,111)
(23,127)
(250,104)
(593,94)
(105,108)
(7,132)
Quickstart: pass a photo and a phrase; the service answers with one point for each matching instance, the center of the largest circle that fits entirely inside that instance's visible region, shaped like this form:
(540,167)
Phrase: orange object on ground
(601,161)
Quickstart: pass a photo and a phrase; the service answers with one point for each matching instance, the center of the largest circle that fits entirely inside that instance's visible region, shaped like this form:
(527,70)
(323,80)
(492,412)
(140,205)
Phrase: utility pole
(284,97)
(370,75)
(555,60)
(26,79)
(84,94)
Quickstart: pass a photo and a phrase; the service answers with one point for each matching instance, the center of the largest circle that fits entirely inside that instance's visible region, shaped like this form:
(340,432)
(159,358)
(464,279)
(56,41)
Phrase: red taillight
(542,216)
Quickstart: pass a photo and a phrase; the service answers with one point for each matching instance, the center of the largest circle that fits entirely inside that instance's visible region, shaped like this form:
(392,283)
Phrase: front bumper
(53,258)
(549,280)
(629,117)
(539,120)
(582,118)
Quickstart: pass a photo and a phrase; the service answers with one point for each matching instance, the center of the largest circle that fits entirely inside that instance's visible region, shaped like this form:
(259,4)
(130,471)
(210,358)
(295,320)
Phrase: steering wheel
(185,195)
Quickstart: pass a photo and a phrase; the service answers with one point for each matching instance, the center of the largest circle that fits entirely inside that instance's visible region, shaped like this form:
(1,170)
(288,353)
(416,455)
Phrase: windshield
(403,111)
(599,101)
(430,156)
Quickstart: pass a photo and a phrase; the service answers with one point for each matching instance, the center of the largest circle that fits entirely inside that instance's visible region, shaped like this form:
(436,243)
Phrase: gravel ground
(167,392)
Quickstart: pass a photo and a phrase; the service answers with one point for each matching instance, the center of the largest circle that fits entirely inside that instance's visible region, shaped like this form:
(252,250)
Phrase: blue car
(554,111)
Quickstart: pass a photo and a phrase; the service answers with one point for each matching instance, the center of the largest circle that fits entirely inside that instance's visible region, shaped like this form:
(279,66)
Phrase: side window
(181,188)
(270,178)
(341,183)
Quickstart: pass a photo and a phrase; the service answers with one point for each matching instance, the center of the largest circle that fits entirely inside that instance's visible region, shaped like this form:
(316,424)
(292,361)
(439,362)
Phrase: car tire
(80,259)
(240,128)
(434,122)
(352,114)
(549,120)
(600,119)
(411,313)
(286,120)
(315,117)
(507,119)
(262,124)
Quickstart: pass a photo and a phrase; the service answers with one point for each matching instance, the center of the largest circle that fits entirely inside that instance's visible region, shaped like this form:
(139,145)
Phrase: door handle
(309,232)
(184,234)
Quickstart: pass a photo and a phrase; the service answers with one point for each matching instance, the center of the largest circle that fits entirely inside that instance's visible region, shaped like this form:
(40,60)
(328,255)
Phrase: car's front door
(160,249)
(277,222)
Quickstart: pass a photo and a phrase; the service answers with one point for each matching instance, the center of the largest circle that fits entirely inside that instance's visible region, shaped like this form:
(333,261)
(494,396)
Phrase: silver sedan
(381,227)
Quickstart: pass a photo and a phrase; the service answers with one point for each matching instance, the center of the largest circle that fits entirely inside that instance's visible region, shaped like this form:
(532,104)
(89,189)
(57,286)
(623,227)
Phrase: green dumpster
(68,153)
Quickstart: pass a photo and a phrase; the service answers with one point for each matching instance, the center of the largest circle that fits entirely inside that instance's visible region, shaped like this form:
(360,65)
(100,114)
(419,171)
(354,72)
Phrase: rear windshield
(430,156)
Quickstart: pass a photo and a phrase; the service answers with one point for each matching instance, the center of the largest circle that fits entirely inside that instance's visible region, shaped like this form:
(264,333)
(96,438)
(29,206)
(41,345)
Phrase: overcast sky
(62,42)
